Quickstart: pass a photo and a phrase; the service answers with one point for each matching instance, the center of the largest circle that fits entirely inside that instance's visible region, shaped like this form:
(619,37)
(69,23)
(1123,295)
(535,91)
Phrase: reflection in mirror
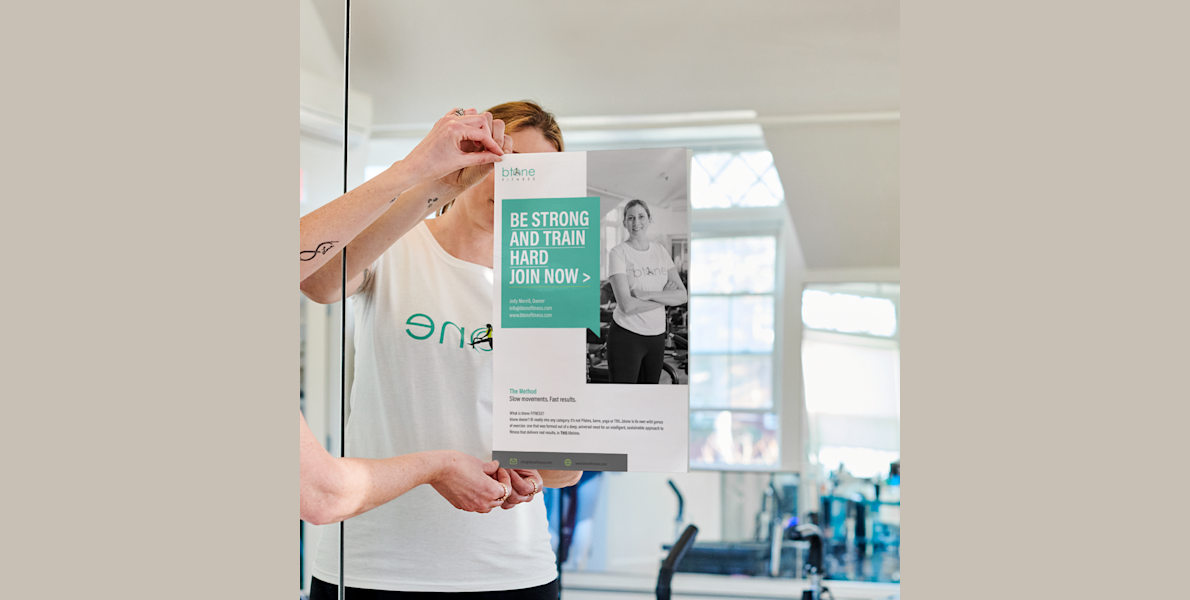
(624,522)
(749,418)
(763,523)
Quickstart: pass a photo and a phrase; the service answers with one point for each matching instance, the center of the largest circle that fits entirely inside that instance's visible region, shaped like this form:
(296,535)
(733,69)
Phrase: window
(734,405)
(733,418)
(849,313)
(734,179)
(851,364)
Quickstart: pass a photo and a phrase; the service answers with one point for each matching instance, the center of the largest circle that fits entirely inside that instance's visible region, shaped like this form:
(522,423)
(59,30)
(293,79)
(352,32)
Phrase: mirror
(790,146)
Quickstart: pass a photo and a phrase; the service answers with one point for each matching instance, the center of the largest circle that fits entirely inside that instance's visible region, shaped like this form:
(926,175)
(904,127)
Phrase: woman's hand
(524,483)
(457,142)
(466,177)
(468,484)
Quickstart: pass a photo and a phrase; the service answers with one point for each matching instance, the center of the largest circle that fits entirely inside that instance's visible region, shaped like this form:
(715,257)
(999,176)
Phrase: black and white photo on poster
(644,264)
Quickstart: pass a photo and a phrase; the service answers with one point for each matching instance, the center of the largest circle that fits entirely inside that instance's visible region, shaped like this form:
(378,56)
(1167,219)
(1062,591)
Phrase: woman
(423,289)
(333,489)
(644,281)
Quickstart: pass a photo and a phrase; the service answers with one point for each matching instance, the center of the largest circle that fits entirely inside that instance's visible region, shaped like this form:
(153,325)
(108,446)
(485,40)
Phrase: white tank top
(420,385)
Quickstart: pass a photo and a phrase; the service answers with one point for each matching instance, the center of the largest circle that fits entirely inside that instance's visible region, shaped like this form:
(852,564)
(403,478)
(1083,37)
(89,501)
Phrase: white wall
(317,53)
(790,279)
(386,151)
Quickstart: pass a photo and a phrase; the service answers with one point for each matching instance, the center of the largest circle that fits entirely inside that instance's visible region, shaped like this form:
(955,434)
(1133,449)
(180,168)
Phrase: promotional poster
(591,266)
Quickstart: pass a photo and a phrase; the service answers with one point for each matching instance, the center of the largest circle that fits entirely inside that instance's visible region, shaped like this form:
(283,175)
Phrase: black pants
(321,590)
(632,357)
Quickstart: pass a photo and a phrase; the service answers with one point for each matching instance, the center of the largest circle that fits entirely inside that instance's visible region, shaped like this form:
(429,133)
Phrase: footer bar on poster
(562,461)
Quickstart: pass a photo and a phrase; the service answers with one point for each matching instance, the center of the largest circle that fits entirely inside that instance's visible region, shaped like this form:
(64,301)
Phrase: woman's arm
(560,479)
(443,164)
(625,301)
(334,489)
(327,229)
(325,285)
(674,293)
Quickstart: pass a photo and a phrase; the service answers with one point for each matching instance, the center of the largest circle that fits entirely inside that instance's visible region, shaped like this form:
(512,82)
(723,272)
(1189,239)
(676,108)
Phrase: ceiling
(814,72)
(655,175)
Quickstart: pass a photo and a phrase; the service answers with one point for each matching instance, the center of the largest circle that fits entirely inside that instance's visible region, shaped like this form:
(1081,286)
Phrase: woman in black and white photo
(644,280)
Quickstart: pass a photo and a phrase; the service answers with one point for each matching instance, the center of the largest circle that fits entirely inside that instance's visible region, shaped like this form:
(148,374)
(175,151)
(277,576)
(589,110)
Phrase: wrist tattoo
(322,248)
(430,202)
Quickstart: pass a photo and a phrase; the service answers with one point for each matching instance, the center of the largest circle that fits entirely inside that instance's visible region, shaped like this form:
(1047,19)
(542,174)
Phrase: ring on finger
(535,487)
(501,499)
(458,112)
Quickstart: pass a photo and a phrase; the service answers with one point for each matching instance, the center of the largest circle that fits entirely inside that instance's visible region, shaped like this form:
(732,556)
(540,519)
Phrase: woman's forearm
(666,297)
(333,489)
(625,301)
(636,306)
(409,209)
(559,479)
(356,485)
(372,482)
(325,231)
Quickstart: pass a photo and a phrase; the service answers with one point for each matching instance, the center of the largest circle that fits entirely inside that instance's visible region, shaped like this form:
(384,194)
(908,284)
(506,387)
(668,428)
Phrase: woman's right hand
(457,142)
(523,483)
(467,482)
(466,177)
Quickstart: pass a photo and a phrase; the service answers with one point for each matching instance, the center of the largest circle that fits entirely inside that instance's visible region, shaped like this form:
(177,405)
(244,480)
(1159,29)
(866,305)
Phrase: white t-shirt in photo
(646,271)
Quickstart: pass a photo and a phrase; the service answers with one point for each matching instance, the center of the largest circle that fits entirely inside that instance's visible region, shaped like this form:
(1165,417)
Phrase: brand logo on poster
(518,174)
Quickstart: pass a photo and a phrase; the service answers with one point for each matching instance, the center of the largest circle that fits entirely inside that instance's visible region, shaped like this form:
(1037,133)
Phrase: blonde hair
(520,115)
(525,114)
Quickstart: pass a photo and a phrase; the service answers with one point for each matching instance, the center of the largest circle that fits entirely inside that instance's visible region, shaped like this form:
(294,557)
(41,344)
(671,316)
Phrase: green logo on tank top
(422,327)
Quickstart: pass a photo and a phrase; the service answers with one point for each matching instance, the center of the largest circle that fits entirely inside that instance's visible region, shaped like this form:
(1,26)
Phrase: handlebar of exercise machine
(666,575)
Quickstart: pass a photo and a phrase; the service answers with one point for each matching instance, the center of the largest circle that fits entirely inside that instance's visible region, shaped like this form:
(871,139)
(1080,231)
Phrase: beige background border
(150,362)
(150,299)
(1043,186)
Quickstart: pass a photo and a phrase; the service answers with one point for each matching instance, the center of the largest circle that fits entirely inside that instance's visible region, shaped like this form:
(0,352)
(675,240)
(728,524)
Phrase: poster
(590,268)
